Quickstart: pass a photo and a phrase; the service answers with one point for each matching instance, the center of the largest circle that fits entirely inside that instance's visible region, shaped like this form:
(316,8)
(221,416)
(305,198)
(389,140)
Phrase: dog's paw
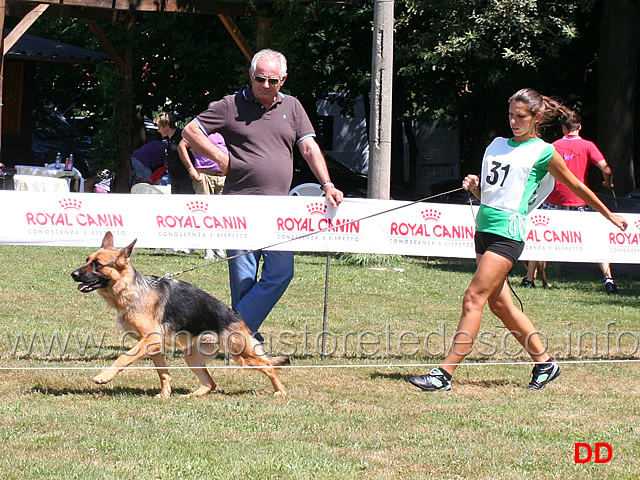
(203,390)
(280,393)
(164,394)
(105,377)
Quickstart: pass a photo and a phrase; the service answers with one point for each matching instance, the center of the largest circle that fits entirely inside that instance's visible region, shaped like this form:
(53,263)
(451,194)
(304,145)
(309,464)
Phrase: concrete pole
(379,183)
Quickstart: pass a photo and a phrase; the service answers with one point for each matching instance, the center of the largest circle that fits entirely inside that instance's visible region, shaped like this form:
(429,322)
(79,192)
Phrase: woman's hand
(472,184)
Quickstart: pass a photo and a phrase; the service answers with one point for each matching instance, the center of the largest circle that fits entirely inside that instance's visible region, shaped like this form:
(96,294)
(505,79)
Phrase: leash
(168,276)
(615,199)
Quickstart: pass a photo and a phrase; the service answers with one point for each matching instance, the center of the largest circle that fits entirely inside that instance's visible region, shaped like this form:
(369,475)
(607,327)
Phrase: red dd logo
(588,452)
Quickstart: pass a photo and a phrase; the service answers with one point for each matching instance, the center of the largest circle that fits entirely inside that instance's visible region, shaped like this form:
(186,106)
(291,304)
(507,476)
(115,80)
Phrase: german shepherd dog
(163,312)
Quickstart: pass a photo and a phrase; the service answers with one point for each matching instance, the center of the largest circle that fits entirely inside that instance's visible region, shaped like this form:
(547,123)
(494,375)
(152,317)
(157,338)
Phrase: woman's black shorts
(505,247)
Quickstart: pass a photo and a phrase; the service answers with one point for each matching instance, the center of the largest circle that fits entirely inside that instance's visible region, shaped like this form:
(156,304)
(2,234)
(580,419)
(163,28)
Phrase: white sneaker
(209,255)
(183,250)
(219,253)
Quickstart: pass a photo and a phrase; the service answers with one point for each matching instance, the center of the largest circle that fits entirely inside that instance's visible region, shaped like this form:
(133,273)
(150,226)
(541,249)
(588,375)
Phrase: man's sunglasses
(272,81)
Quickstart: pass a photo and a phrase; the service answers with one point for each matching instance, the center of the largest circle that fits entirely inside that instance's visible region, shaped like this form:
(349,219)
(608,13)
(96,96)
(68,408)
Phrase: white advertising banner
(299,224)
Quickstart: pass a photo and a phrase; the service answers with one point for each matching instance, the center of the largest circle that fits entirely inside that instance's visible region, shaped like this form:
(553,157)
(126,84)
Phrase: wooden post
(379,184)
(3,6)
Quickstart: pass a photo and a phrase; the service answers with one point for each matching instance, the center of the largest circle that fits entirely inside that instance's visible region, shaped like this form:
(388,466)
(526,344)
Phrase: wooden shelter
(128,12)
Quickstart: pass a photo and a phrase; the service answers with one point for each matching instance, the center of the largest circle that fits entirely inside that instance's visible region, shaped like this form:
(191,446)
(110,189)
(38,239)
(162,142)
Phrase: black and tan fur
(165,313)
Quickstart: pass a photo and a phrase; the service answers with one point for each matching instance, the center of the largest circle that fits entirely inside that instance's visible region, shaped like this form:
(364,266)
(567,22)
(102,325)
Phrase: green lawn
(359,419)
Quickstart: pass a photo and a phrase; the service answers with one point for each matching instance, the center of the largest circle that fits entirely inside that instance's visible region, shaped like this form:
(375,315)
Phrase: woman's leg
(520,326)
(489,278)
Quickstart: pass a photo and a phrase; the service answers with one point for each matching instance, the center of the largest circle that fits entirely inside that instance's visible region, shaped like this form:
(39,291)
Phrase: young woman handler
(512,170)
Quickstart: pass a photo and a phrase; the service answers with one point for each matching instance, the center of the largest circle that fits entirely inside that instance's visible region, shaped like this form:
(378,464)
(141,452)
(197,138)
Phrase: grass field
(351,416)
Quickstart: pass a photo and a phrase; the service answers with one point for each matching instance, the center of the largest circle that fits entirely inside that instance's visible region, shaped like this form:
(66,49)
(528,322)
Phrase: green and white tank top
(512,172)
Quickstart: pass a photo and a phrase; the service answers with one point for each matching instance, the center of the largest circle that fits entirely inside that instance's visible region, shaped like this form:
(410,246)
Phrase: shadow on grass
(460,380)
(127,391)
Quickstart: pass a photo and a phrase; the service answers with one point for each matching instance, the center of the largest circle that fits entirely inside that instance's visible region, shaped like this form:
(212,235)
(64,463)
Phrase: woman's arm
(561,172)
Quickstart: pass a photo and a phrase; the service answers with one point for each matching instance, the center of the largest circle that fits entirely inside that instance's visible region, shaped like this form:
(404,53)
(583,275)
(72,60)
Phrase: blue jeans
(140,170)
(255,298)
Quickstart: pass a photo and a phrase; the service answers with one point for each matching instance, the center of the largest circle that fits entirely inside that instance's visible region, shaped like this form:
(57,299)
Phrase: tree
(456,61)
(618,82)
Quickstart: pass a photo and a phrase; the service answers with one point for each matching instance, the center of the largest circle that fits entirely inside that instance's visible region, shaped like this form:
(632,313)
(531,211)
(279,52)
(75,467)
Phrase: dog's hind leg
(163,373)
(249,359)
(251,356)
(197,362)
(542,267)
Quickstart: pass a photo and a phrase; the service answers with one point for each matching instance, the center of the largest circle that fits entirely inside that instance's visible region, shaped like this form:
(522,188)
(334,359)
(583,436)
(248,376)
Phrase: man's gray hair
(267,52)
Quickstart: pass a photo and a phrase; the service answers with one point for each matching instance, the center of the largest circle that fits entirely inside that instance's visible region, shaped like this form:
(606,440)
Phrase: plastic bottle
(68,163)
(58,161)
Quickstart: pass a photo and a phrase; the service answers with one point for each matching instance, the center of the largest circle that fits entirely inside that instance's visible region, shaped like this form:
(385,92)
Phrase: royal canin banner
(307,224)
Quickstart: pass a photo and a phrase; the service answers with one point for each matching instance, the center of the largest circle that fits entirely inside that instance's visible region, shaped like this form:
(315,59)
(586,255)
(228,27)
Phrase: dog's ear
(107,241)
(124,254)
(129,248)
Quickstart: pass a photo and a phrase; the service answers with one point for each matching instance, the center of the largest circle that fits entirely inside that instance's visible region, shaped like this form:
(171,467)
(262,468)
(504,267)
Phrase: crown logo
(540,220)
(197,206)
(431,214)
(317,208)
(70,204)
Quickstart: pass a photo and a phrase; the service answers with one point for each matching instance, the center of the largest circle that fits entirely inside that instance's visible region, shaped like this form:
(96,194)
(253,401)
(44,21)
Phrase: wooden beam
(235,32)
(106,44)
(212,7)
(19,30)
(264,32)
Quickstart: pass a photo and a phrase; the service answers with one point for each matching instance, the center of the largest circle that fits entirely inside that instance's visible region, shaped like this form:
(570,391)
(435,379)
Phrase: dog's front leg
(149,345)
(163,373)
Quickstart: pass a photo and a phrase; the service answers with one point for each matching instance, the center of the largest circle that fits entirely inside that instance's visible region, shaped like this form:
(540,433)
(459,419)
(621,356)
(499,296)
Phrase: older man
(261,126)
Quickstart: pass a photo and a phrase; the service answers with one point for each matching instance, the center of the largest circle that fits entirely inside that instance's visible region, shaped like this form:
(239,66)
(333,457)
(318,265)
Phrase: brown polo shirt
(260,141)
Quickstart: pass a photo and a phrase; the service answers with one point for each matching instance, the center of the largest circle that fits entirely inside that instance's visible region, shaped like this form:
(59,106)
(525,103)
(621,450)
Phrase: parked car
(53,134)
(352,183)
(629,203)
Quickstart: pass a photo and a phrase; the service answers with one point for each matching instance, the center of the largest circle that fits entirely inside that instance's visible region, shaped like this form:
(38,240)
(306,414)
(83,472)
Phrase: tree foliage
(456,61)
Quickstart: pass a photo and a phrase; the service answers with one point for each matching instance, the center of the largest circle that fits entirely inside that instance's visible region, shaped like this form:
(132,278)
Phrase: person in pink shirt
(579,154)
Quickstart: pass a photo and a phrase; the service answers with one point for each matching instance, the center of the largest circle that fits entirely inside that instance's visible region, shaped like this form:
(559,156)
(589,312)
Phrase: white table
(48,171)
(33,183)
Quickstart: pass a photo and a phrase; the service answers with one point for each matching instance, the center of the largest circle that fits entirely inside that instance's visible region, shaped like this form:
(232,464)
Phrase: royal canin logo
(628,237)
(70,204)
(73,216)
(429,225)
(310,223)
(431,214)
(198,219)
(317,208)
(197,206)
(540,220)
(542,232)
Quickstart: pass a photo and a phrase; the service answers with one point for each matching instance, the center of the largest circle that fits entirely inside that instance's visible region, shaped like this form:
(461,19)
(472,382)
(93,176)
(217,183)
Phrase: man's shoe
(610,286)
(434,380)
(209,255)
(543,373)
(527,283)
(219,253)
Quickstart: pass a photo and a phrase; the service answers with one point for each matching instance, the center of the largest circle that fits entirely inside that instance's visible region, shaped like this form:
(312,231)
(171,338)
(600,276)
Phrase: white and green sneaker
(435,380)
(543,373)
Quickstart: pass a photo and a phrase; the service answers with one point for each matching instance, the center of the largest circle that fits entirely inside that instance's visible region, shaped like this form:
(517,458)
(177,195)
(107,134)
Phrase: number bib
(511,173)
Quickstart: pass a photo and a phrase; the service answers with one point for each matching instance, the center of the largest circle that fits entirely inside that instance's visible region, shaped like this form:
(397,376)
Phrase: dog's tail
(259,350)
(281,360)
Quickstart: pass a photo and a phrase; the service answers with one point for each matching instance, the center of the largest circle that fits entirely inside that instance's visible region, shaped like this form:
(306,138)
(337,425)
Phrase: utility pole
(379,184)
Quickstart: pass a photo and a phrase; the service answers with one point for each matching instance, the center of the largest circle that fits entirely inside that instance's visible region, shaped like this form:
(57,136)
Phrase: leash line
(167,276)
(341,365)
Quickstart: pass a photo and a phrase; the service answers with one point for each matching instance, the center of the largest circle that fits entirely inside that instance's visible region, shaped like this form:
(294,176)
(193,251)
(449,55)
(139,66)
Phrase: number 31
(493,178)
